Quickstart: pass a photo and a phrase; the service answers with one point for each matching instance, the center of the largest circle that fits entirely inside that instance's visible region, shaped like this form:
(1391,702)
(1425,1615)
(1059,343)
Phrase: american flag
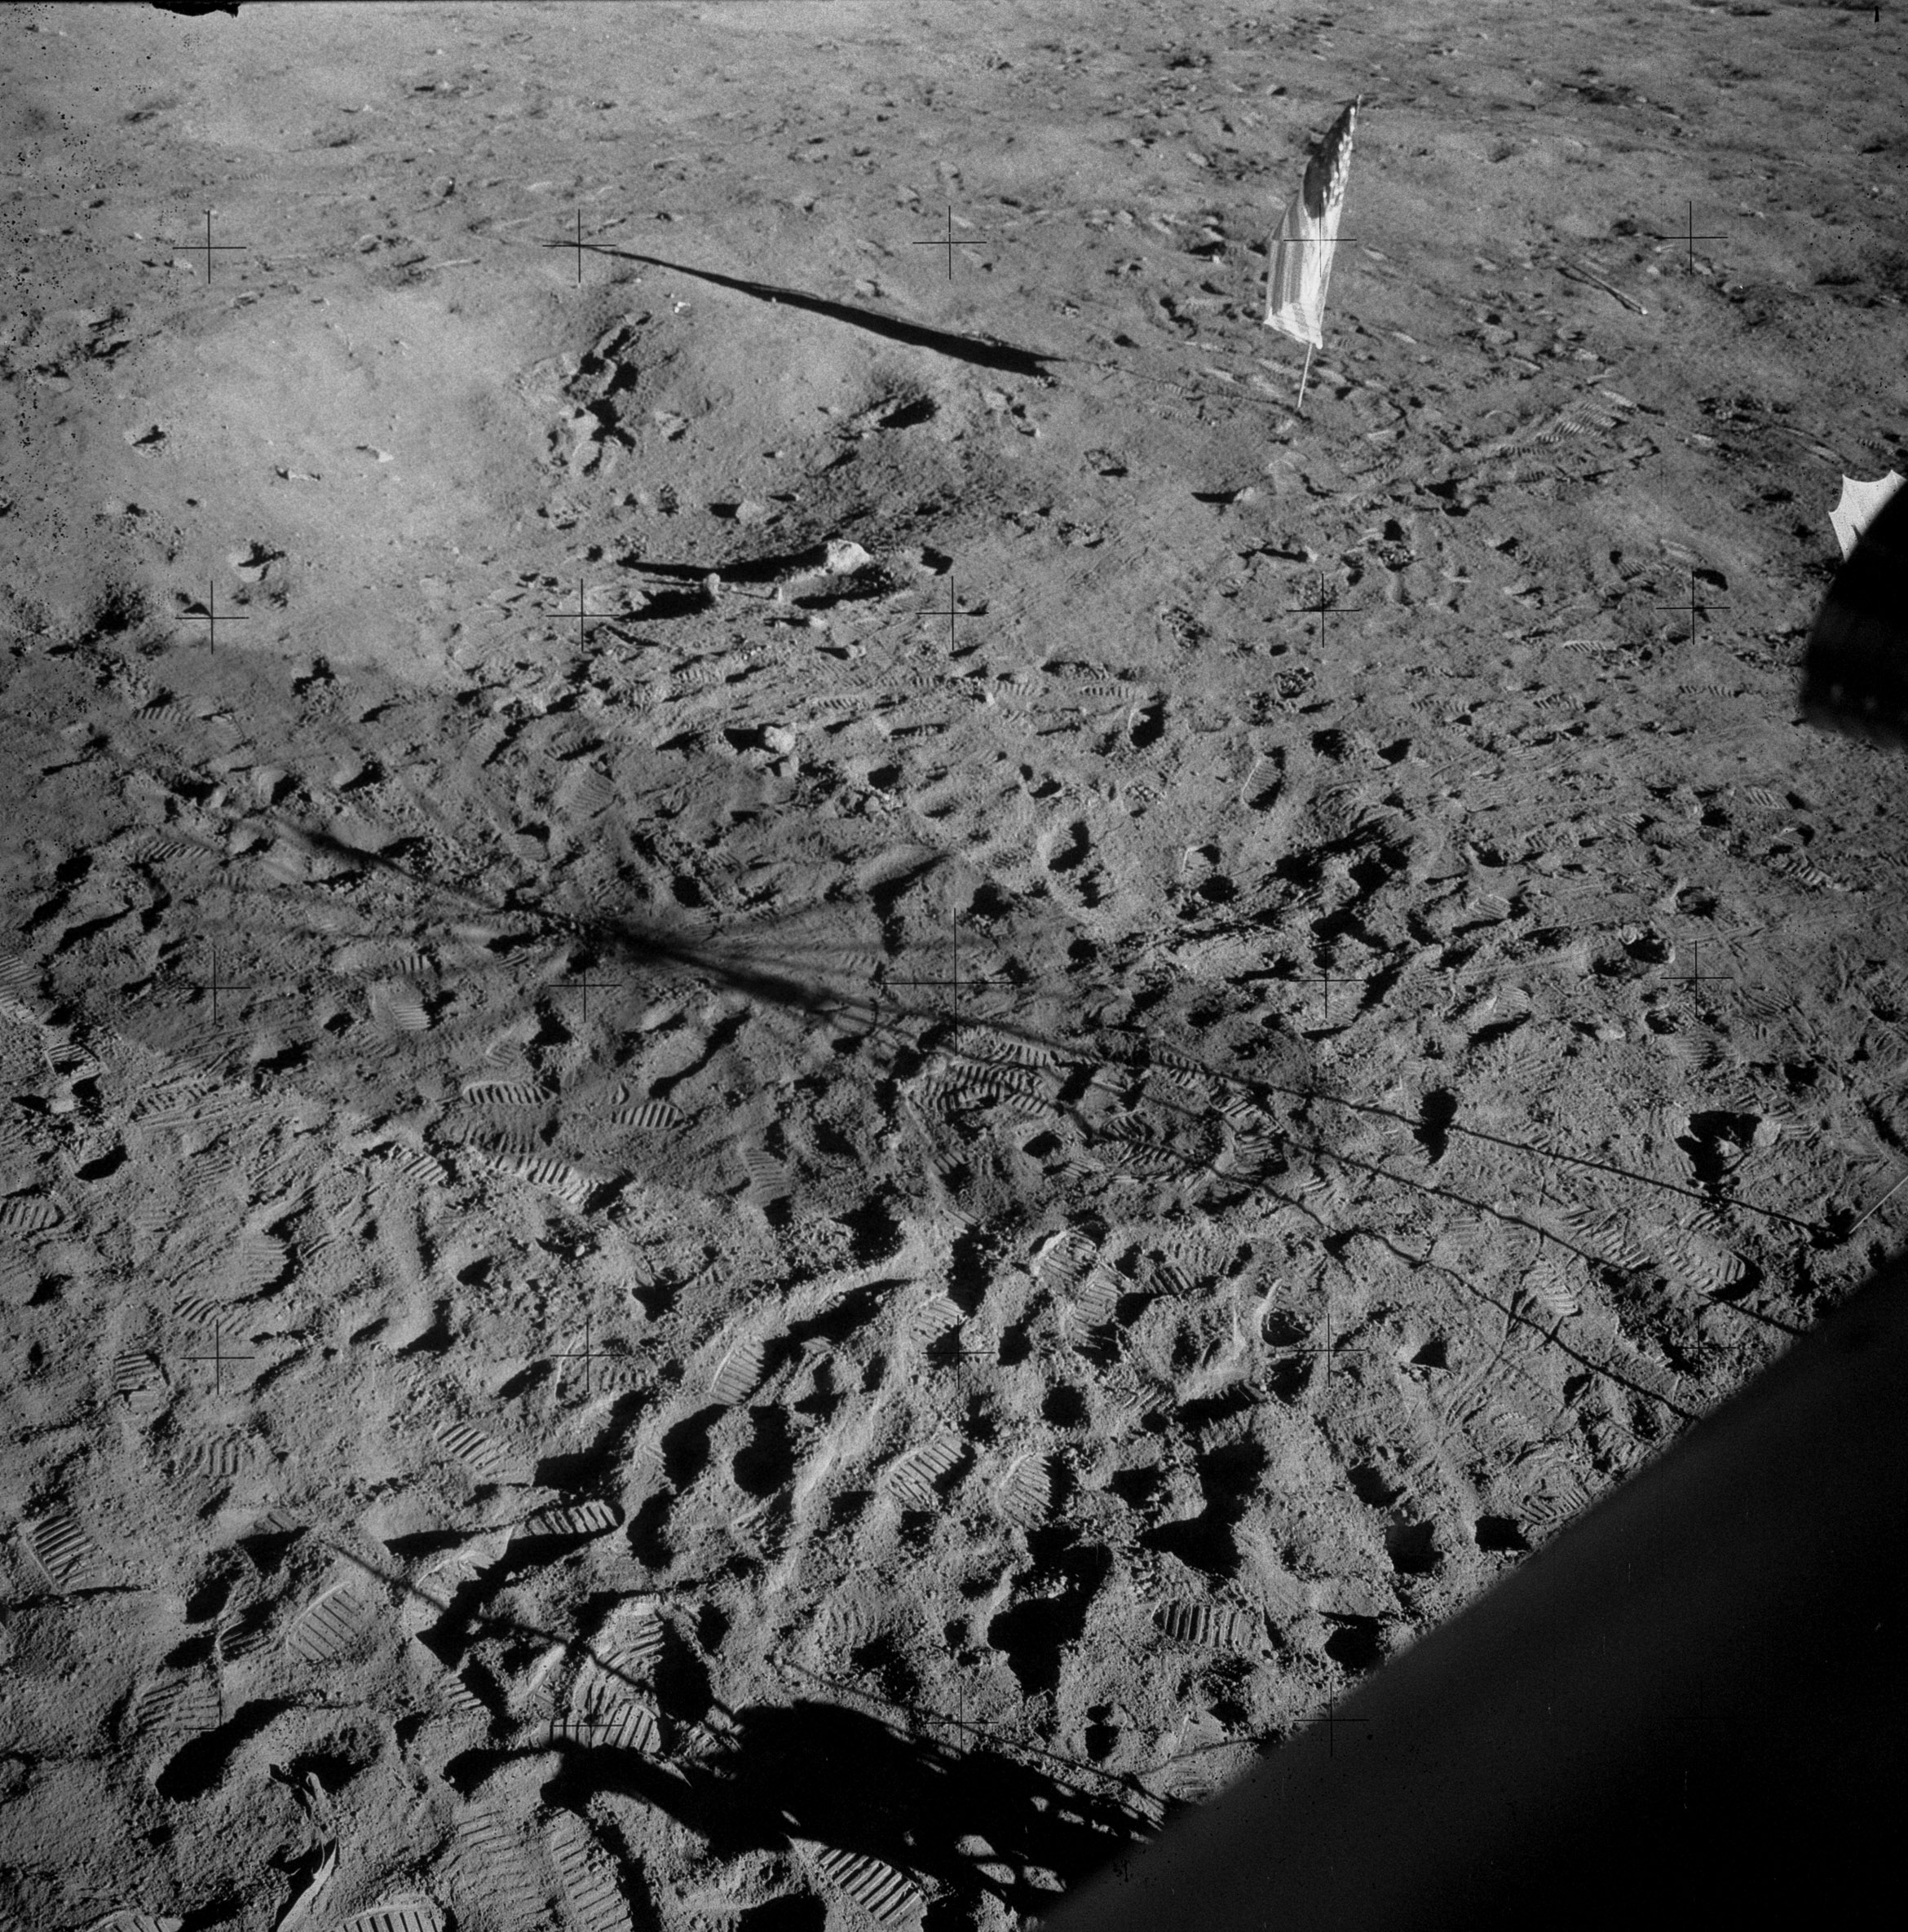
(1307,238)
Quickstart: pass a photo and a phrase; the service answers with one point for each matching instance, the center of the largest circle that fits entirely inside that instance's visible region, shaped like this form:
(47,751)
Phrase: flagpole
(1303,374)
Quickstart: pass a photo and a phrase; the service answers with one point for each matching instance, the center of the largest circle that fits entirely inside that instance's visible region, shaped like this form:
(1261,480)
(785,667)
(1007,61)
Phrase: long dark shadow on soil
(980,351)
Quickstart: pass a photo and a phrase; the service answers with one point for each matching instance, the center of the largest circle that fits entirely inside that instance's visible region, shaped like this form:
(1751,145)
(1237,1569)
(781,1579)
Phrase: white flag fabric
(1859,506)
(1299,268)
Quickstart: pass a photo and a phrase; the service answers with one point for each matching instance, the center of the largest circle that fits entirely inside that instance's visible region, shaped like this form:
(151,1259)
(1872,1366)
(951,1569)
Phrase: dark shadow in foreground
(962,1820)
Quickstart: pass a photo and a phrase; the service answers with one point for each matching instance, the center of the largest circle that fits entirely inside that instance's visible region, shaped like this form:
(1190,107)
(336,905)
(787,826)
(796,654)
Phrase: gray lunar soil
(816,1064)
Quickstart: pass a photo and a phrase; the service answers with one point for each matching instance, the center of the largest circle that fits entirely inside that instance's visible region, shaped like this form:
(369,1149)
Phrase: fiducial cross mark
(1690,237)
(583,616)
(209,616)
(208,248)
(586,985)
(578,245)
(1693,606)
(219,1356)
(950,242)
(1330,1720)
(214,984)
(1694,977)
(952,613)
(1328,1353)
(587,1355)
(1327,977)
(1321,609)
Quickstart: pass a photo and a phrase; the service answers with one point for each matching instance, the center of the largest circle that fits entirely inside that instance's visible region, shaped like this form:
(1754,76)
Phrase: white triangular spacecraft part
(1860,504)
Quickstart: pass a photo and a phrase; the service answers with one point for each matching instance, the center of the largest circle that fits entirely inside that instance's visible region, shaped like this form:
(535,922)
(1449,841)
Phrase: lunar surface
(818,1062)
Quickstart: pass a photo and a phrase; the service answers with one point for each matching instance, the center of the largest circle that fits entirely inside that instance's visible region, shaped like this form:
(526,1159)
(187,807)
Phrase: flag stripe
(1299,267)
